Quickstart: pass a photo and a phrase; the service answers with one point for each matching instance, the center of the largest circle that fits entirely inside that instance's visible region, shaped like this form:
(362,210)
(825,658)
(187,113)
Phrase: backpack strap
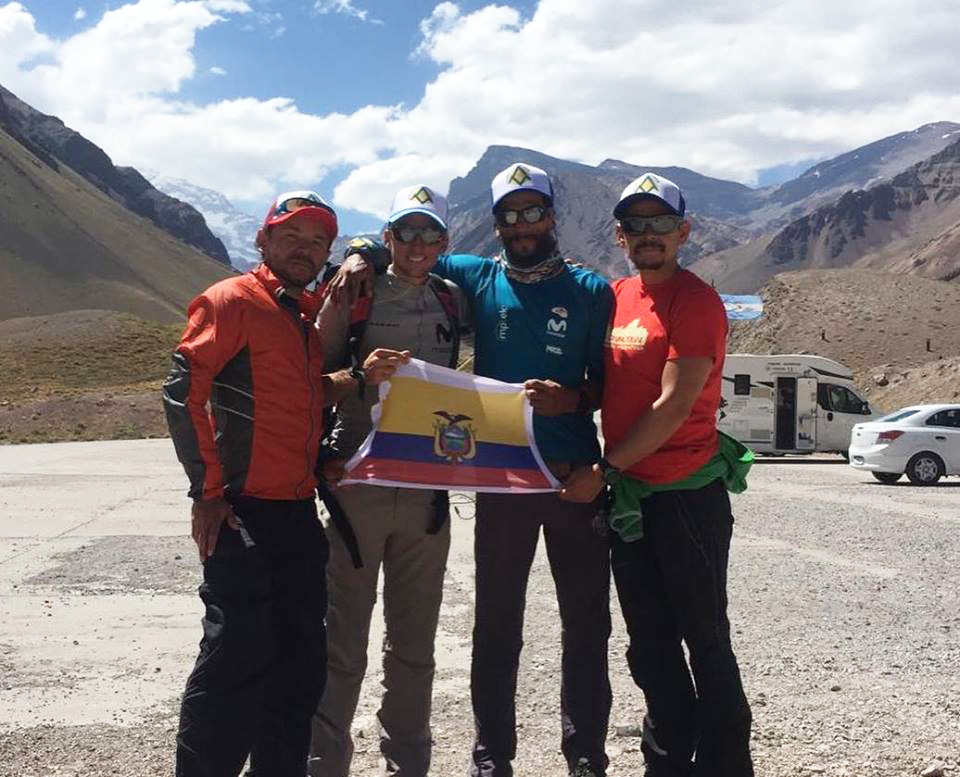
(448,302)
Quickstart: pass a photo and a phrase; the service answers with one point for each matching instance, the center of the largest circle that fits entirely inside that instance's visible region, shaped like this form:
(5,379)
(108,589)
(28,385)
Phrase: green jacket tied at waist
(731,463)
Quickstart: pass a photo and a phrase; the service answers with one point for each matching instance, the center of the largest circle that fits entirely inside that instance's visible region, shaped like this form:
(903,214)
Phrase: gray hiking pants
(391,528)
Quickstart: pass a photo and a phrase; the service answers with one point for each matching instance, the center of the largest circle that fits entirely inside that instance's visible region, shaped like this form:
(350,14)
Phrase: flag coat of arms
(441,429)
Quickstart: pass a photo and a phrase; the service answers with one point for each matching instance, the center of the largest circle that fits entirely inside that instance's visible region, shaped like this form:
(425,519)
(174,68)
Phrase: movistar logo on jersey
(422,196)
(647,185)
(520,175)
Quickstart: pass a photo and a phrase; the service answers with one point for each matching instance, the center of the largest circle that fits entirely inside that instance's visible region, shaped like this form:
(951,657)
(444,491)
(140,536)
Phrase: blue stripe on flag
(415,447)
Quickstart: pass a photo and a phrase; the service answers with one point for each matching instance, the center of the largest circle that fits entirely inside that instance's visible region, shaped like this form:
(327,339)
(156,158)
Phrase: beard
(649,255)
(296,269)
(544,246)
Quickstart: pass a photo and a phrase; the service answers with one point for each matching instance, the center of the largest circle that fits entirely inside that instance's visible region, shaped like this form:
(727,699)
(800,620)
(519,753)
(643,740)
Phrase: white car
(921,441)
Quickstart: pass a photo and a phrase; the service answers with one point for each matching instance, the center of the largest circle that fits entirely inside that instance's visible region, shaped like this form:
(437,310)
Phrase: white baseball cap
(419,199)
(651,186)
(520,177)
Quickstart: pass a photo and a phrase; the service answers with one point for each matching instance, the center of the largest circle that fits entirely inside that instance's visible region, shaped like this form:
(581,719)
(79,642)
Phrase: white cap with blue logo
(651,186)
(419,199)
(521,177)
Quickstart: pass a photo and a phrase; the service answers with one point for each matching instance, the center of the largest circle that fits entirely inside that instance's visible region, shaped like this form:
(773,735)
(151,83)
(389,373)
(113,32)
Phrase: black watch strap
(356,372)
(611,474)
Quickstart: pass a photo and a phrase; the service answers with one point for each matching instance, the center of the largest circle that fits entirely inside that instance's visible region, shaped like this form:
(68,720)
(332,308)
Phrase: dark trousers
(262,664)
(672,585)
(507,532)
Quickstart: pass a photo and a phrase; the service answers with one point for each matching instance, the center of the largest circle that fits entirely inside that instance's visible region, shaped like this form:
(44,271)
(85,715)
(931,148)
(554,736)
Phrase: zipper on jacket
(304,336)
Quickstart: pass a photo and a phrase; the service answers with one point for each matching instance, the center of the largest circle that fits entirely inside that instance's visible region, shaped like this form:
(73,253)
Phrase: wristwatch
(610,473)
(356,372)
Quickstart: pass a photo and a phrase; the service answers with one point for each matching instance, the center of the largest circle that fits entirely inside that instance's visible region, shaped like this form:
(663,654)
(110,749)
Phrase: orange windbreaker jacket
(244,398)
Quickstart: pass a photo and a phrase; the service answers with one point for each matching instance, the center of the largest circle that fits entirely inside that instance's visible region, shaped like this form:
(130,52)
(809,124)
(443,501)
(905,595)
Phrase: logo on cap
(422,196)
(647,185)
(520,175)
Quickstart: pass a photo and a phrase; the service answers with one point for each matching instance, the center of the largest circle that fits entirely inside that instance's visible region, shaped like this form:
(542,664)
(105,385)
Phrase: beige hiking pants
(391,528)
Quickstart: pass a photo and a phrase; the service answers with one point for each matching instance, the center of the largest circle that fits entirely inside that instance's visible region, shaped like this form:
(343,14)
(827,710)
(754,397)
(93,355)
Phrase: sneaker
(585,769)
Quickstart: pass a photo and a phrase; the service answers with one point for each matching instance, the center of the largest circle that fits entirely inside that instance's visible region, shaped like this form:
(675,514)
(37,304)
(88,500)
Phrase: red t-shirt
(652,324)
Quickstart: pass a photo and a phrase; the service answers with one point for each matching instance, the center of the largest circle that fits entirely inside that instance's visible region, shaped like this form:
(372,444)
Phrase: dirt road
(845,602)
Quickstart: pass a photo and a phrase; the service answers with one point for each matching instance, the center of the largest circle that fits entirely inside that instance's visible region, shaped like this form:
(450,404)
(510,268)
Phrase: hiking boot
(584,768)
(490,768)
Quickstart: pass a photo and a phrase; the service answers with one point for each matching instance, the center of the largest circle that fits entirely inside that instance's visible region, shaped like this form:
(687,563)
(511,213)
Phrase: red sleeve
(698,325)
(213,336)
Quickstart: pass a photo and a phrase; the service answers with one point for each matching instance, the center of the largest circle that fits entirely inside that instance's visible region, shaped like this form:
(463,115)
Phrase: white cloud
(80,14)
(726,87)
(217,71)
(344,7)
(20,42)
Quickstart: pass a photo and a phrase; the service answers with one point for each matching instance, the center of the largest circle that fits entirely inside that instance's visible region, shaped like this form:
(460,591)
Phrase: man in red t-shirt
(664,460)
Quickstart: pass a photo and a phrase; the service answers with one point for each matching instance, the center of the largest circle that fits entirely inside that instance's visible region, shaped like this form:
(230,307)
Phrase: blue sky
(360,97)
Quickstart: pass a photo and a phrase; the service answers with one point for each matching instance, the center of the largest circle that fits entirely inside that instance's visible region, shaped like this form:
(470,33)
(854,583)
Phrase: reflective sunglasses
(407,234)
(660,225)
(531,214)
(293,204)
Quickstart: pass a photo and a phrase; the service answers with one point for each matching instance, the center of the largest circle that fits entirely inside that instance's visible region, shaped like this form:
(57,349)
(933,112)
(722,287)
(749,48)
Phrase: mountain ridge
(55,143)
(908,225)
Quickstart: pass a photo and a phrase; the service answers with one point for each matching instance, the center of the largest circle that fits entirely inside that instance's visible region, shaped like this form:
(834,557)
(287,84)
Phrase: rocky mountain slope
(236,229)
(909,225)
(56,145)
(66,245)
(858,169)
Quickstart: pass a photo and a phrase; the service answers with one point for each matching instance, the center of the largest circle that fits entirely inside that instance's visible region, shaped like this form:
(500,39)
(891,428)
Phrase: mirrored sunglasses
(660,225)
(293,204)
(407,234)
(507,217)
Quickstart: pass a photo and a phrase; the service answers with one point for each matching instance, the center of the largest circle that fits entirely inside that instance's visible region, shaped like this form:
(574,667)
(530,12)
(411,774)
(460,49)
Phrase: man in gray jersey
(405,530)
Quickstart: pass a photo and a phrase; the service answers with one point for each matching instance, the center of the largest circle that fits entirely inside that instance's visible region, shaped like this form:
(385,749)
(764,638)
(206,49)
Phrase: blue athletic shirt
(549,330)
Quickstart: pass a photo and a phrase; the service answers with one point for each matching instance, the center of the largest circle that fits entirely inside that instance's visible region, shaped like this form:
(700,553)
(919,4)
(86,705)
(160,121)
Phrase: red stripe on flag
(448,475)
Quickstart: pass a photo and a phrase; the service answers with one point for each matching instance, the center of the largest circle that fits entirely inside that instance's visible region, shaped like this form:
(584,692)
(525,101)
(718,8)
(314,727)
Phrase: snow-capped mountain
(235,228)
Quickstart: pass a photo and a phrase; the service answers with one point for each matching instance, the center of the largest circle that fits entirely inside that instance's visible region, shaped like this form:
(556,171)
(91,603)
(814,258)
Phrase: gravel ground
(845,605)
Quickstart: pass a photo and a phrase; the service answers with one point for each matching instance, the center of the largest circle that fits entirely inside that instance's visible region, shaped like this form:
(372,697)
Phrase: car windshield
(898,416)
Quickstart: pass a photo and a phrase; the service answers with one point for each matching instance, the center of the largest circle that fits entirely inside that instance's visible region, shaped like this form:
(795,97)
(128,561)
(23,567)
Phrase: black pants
(673,586)
(262,664)
(507,532)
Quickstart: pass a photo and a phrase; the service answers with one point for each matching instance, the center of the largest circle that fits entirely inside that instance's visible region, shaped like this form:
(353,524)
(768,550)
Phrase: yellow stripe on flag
(412,402)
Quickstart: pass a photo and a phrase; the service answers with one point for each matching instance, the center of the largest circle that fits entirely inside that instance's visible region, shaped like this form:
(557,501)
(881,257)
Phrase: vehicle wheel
(846,456)
(925,469)
(887,477)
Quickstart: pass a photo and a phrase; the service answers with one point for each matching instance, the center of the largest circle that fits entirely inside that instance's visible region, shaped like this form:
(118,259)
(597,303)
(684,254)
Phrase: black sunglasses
(660,225)
(531,214)
(407,234)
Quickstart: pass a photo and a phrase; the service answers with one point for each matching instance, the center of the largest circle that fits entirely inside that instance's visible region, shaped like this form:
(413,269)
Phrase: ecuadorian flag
(441,429)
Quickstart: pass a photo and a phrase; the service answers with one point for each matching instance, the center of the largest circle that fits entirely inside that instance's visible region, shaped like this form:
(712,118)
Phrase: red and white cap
(303,204)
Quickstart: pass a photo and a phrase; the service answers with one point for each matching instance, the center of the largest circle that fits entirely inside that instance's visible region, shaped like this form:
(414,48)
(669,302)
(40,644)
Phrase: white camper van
(790,403)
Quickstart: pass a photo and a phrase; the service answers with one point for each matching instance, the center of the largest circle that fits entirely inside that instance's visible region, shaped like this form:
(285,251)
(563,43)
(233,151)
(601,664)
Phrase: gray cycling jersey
(404,317)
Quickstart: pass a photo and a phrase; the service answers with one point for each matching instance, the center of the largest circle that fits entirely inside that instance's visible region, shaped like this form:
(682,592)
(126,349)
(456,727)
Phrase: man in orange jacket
(244,403)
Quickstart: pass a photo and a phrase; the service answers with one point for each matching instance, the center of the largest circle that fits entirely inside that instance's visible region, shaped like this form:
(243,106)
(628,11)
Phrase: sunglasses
(529,215)
(293,204)
(660,225)
(407,234)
